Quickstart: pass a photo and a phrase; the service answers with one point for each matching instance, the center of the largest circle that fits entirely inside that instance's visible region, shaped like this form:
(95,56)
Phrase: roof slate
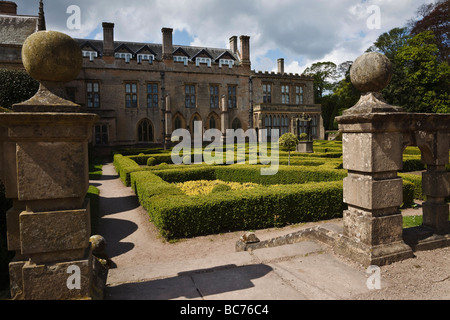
(215,53)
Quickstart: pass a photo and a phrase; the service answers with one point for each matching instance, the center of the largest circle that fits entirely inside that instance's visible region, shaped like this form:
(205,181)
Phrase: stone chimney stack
(281,65)
(108,39)
(245,49)
(41,22)
(167,45)
(234,44)
(8,7)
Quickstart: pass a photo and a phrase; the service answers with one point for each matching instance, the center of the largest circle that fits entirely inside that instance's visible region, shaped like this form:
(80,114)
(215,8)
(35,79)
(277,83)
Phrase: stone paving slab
(300,271)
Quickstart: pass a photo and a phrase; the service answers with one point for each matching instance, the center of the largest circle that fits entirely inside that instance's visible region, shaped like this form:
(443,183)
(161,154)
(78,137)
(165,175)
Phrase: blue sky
(300,31)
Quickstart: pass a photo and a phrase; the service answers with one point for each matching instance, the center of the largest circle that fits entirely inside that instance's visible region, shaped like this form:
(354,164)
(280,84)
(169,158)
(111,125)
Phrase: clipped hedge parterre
(179,216)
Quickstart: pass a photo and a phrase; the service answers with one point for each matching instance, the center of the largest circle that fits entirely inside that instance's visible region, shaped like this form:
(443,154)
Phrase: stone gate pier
(375,135)
(44,166)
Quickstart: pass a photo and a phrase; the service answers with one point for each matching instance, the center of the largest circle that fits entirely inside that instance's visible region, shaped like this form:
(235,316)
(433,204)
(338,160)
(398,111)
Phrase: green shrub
(95,171)
(411,165)
(187,174)
(221,188)
(124,166)
(285,175)
(295,194)
(93,195)
(416,180)
(151,162)
(179,216)
(143,158)
(16,86)
(408,194)
(303,136)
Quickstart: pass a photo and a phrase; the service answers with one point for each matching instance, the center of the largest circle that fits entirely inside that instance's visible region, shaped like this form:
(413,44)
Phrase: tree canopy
(324,75)
(15,87)
(419,53)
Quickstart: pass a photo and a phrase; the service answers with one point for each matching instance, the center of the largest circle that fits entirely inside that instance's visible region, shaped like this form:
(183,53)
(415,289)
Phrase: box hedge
(124,166)
(178,216)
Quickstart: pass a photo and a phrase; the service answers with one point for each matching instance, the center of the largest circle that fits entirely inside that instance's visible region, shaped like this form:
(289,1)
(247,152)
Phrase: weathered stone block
(38,176)
(362,227)
(13,229)
(305,147)
(366,192)
(45,232)
(9,168)
(60,281)
(436,184)
(435,216)
(15,279)
(372,152)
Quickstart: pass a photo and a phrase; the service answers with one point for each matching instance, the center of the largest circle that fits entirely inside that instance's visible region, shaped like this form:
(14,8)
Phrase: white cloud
(304,31)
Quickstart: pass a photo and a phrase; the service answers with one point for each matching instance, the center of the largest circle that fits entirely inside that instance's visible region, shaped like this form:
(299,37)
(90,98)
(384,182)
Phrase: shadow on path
(110,206)
(115,230)
(194,284)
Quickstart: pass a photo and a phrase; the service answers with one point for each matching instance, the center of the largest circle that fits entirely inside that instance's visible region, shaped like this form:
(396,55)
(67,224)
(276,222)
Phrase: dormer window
(202,60)
(226,59)
(226,62)
(148,57)
(90,54)
(126,56)
(181,59)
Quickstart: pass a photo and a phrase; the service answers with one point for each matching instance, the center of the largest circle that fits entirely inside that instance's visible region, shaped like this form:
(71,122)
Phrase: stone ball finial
(371,72)
(52,56)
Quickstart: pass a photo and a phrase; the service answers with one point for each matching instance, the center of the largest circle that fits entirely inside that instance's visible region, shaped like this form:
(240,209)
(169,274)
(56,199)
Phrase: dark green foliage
(408,194)
(142,159)
(285,175)
(308,190)
(416,180)
(94,197)
(187,174)
(15,87)
(124,166)
(177,215)
(221,188)
(151,162)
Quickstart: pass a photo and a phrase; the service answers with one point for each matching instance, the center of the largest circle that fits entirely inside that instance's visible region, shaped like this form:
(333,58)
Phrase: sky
(300,31)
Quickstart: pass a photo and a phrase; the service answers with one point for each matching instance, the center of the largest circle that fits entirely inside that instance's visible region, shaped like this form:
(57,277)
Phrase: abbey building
(144,91)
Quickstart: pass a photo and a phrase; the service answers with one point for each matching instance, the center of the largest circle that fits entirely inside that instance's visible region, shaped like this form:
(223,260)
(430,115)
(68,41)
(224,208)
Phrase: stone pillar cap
(370,74)
(53,58)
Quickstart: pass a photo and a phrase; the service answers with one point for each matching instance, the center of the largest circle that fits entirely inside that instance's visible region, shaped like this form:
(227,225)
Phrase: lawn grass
(412,221)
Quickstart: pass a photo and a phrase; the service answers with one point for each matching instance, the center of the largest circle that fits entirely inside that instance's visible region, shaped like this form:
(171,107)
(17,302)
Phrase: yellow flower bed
(201,187)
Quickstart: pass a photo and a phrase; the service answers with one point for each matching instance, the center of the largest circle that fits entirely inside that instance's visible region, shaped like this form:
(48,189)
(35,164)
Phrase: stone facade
(143,92)
(172,86)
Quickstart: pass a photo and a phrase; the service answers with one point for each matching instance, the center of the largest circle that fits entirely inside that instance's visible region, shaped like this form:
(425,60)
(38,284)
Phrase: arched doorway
(179,122)
(192,125)
(213,121)
(145,131)
(236,124)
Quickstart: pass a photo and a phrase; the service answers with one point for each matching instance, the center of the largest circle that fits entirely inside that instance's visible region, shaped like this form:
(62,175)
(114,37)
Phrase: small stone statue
(98,245)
